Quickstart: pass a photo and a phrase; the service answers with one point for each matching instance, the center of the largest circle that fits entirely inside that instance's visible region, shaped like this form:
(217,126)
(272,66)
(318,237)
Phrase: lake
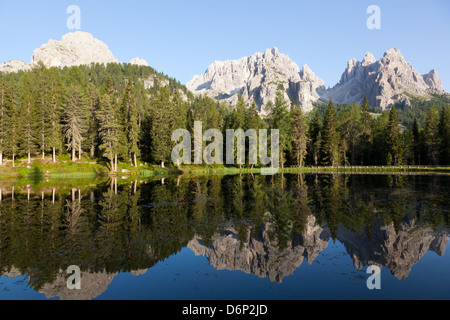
(249,237)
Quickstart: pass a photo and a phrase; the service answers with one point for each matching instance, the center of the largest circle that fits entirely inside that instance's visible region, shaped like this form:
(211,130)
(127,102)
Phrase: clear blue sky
(183,37)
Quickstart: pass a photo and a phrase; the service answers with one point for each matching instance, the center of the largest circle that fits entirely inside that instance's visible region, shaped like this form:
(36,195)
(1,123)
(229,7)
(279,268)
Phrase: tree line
(112,113)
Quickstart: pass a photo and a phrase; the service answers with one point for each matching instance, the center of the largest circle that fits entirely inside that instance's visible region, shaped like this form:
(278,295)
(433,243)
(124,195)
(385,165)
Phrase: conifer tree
(431,132)
(109,128)
(415,133)
(92,123)
(27,116)
(55,111)
(394,148)
(5,105)
(315,138)
(366,132)
(279,119)
(162,126)
(330,137)
(299,135)
(13,128)
(74,117)
(444,135)
(131,123)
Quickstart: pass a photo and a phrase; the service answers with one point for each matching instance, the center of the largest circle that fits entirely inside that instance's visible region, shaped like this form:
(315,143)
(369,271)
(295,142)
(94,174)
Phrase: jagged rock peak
(385,82)
(433,81)
(77,48)
(368,59)
(258,78)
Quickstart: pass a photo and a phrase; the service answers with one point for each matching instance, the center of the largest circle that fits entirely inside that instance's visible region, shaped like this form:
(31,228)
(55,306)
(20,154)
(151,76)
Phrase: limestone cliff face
(384,82)
(257,78)
(398,252)
(260,255)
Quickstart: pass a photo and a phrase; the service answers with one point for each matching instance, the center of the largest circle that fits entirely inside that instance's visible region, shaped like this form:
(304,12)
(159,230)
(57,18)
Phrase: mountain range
(385,82)
(257,78)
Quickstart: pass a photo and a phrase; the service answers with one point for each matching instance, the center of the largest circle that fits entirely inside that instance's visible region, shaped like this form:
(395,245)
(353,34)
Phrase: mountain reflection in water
(265,226)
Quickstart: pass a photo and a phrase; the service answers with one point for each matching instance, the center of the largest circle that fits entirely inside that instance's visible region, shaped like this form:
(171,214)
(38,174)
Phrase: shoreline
(98,172)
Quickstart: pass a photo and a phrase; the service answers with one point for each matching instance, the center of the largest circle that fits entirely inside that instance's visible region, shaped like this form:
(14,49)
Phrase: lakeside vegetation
(96,121)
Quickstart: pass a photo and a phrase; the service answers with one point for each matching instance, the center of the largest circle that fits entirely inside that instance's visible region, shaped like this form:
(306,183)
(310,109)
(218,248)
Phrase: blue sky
(183,37)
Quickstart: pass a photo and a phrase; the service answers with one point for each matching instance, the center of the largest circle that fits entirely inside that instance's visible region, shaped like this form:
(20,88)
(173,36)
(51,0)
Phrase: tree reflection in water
(260,225)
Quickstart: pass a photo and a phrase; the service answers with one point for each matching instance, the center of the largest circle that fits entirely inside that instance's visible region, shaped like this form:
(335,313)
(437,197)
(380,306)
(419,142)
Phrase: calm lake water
(233,237)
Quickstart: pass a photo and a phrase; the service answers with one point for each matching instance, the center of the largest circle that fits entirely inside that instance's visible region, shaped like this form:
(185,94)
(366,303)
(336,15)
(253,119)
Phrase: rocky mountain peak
(385,82)
(433,81)
(368,59)
(77,48)
(257,78)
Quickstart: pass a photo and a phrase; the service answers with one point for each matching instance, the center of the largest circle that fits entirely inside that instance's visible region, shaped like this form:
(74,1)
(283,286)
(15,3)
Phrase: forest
(127,113)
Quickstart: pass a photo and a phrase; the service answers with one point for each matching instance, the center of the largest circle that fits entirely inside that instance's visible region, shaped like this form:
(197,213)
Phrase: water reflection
(266,226)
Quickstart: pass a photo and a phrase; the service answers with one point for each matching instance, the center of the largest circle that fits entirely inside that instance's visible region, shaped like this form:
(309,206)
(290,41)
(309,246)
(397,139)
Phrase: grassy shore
(64,168)
(355,170)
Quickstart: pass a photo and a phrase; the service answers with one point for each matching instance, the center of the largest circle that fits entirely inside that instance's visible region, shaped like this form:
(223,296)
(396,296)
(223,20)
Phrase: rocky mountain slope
(257,78)
(385,82)
(74,49)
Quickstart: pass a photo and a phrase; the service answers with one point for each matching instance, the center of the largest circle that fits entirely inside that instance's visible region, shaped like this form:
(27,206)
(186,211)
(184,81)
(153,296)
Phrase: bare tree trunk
(73,154)
(29,157)
(79,152)
(115,159)
(13,158)
(1,159)
(43,154)
(135,160)
(54,155)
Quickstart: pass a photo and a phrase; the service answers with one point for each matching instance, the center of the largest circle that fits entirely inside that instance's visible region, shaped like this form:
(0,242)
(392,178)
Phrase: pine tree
(109,128)
(253,121)
(299,135)
(394,148)
(279,119)
(132,125)
(13,128)
(5,105)
(415,132)
(350,127)
(330,137)
(366,132)
(431,132)
(74,117)
(315,138)
(444,134)
(92,123)
(162,126)
(27,116)
(55,111)
(43,83)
